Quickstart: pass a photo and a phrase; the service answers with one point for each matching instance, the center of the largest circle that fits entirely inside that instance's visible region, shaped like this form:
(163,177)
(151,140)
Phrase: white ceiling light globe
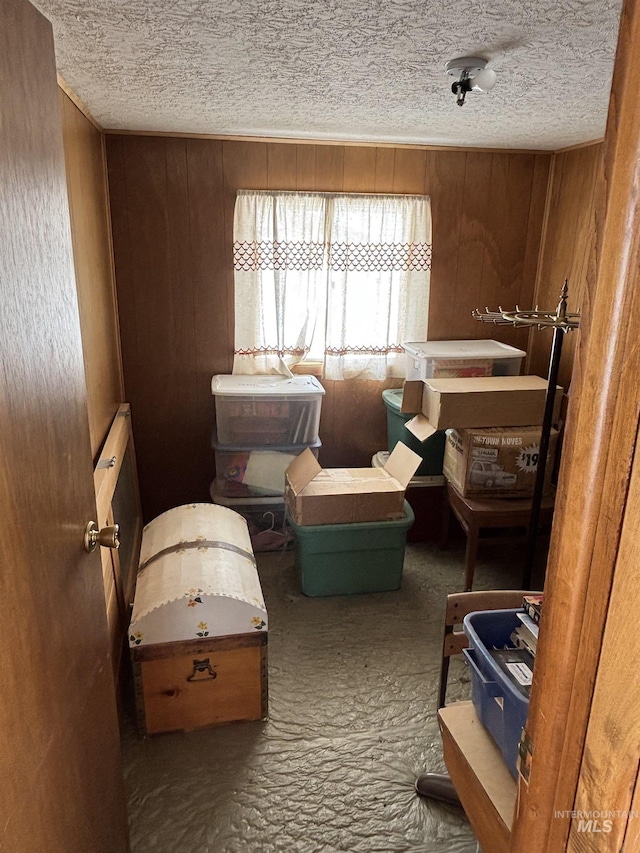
(484,80)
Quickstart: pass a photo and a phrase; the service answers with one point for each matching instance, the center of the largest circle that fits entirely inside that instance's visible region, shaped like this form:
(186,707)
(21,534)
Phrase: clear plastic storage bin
(261,411)
(452,359)
(243,472)
(265,517)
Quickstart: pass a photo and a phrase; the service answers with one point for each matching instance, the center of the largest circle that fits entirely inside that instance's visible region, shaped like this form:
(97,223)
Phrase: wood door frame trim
(601,435)
(62,83)
(109,463)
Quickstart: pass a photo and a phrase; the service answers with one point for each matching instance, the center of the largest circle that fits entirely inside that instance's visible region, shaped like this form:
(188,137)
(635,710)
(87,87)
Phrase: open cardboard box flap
(302,470)
(420,427)
(315,495)
(411,397)
(401,466)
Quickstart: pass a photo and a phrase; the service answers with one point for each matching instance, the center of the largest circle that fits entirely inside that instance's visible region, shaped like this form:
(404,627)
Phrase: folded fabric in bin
(264,470)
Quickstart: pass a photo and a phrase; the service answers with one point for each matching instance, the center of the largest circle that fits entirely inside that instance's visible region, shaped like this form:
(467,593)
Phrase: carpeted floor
(352,723)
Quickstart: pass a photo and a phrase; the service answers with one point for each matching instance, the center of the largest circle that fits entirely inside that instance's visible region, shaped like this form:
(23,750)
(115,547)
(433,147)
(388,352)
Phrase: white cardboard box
(496,462)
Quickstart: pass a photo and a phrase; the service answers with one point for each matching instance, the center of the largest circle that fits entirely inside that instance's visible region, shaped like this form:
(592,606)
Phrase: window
(338,278)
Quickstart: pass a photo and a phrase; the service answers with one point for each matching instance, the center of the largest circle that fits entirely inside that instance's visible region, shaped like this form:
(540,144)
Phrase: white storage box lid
(197,578)
(265,386)
(380,459)
(248,503)
(462,349)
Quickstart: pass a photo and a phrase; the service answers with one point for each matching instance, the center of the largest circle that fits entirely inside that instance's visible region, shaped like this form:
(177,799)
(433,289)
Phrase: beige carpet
(352,687)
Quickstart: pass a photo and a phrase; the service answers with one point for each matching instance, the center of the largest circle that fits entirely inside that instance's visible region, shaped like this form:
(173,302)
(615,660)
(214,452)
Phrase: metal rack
(561,321)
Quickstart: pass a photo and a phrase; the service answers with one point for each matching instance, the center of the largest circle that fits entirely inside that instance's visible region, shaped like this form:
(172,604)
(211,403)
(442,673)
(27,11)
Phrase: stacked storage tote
(456,359)
(429,360)
(262,424)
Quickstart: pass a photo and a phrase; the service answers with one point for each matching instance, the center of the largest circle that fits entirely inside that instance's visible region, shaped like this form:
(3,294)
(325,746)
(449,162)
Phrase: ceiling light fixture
(473,76)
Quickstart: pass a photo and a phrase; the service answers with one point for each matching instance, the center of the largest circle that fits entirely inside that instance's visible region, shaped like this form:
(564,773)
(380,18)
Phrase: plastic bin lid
(266,448)
(267,386)
(462,349)
(250,502)
(393,400)
(379,460)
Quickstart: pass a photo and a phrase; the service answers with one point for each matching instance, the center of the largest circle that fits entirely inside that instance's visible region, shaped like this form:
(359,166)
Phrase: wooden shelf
(486,789)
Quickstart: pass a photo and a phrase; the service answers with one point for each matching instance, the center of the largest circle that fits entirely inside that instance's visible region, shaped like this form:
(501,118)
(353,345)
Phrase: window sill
(308,368)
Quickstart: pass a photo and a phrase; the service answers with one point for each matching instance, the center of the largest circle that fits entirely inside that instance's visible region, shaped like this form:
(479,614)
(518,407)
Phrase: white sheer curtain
(279,265)
(340,277)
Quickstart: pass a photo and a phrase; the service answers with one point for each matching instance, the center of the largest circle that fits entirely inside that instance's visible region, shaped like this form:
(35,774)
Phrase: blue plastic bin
(500,705)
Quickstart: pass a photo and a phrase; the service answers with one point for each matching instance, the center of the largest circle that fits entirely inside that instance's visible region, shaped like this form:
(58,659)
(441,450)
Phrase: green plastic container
(431,450)
(343,559)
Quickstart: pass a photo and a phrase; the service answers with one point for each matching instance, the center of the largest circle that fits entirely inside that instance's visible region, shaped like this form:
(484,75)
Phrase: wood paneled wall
(568,248)
(172,212)
(93,260)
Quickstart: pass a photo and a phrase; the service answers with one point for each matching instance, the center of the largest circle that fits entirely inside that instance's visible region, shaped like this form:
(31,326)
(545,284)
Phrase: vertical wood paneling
(533,248)
(329,168)
(164,240)
(476,242)
(149,275)
(569,246)
(360,423)
(122,248)
(306,167)
(514,223)
(210,297)
(281,166)
(92,254)
(384,171)
(512,183)
(182,308)
(444,184)
(409,170)
(359,165)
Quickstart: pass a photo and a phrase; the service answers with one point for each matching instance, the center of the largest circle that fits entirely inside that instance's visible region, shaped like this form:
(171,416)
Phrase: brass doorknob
(108,537)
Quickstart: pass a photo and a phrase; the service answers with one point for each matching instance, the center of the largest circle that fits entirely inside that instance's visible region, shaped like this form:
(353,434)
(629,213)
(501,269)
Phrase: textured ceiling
(363,70)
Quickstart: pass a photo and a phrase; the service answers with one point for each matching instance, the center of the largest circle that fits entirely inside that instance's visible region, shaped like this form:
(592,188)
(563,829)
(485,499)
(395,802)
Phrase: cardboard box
(475,402)
(496,462)
(343,495)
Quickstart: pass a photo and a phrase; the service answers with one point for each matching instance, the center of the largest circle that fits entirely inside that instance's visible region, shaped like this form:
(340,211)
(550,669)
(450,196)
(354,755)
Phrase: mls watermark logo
(595,825)
(596,821)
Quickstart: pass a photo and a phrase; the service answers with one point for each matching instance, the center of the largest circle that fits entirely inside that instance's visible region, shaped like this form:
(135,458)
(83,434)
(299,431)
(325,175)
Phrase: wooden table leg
(470,555)
(446,521)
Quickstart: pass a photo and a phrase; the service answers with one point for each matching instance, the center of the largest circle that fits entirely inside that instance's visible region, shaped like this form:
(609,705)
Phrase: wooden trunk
(198,633)
(198,683)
